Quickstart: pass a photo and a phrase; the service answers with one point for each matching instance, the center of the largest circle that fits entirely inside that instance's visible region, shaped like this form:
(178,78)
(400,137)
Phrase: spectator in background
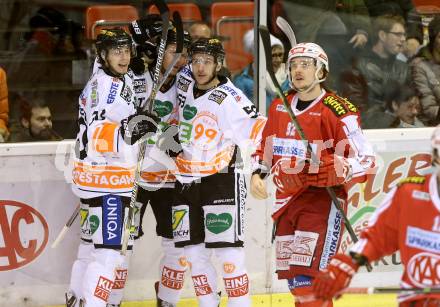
(36,123)
(245,80)
(403,106)
(4,107)
(425,70)
(365,83)
(199,30)
(338,26)
(406,9)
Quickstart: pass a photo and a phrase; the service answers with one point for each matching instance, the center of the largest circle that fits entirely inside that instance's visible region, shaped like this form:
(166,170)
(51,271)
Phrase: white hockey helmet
(310,50)
(435,145)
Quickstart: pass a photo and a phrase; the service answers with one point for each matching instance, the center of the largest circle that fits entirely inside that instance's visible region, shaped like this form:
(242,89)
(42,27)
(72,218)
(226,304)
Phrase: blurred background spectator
(366,81)
(199,29)
(245,79)
(35,122)
(402,106)
(337,26)
(425,69)
(406,9)
(4,107)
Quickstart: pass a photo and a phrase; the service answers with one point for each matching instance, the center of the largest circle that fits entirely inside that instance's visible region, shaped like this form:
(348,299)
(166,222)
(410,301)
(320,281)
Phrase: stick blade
(287,30)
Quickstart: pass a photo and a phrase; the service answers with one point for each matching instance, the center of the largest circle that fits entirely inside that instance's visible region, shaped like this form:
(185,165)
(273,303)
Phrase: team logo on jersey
(140,86)
(24,234)
(127,94)
(218,223)
(112,94)
(217,96)
(183,84)
(423,269)
(189,112)
(163,108)
(337,107)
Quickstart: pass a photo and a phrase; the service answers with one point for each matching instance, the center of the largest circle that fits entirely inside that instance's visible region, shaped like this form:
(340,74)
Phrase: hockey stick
(383,290)
(265,37)
(165,16)
(66,227)
(287,30)
(179,48)
(156,86)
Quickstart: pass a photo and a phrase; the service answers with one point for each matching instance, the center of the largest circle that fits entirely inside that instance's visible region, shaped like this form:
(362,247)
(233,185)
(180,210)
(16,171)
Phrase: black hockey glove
(169,142)
(146,29)
(137,65)
(137,126)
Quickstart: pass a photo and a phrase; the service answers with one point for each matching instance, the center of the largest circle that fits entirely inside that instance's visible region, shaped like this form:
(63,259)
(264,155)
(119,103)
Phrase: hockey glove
(333,170)
(146,29)
(289,180)
(169,142)
(335,278)
(137,126)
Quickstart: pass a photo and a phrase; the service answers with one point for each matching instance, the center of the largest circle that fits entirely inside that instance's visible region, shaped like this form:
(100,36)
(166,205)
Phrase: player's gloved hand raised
(332,170)
(335,278)
(146,29)
(137,126)
(287,178)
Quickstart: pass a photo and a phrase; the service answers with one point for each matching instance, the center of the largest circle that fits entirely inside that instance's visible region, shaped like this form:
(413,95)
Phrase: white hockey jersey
(104,163)
(211,125)
(158,168)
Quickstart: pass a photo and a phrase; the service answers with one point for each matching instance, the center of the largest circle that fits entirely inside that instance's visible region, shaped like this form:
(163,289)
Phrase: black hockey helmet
(113,38)
(211,46)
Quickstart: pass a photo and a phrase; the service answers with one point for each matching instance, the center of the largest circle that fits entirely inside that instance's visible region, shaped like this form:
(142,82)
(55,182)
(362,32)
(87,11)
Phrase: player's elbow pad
(136,126)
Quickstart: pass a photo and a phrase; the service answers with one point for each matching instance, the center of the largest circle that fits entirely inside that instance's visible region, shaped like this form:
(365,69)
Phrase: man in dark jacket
(365,83)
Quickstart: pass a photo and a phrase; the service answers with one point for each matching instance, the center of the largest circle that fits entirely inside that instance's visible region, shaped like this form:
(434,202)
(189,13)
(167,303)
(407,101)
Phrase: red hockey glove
(335,278)
(287,179)
(333,170)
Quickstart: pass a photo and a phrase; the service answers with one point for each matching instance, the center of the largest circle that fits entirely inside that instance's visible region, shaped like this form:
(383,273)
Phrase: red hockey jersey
(331,125)
(408,220)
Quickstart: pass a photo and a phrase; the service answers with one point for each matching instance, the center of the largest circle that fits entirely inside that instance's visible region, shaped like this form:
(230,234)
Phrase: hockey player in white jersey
(215,118)
(157,175)
(105,159)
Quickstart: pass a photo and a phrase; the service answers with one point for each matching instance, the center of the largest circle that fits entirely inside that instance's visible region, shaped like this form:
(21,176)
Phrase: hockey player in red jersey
(408,221)
(309,227)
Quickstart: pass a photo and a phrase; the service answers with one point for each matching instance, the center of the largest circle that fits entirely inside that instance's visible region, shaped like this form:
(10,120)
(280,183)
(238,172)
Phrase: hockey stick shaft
(391,290)
(66,227)
(265,36)
(156,86)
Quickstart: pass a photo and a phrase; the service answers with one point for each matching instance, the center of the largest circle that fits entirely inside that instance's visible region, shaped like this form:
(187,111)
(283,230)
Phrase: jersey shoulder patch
(414,179)
(335,105)
(217,96)
(183,83)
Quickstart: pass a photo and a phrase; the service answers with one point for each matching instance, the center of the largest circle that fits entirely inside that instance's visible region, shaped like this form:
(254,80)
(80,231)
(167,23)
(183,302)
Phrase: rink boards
(36,201)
